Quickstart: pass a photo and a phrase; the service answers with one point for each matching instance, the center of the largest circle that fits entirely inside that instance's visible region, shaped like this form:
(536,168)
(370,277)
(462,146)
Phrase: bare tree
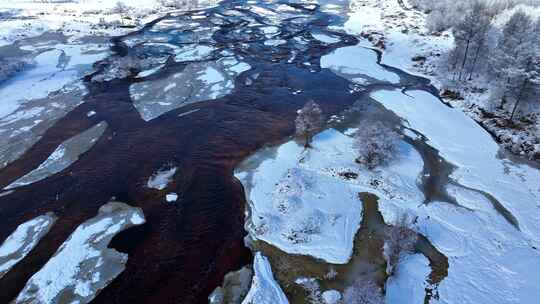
(363,291)
(309,120)
(400,239)
(375,144)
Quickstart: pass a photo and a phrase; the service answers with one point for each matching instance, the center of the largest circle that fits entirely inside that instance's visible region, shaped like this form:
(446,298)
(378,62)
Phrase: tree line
(506,55)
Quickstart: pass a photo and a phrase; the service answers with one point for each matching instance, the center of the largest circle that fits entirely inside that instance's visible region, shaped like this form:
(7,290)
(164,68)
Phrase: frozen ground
(23,240)
(65,155)
(83,265)
(264,289)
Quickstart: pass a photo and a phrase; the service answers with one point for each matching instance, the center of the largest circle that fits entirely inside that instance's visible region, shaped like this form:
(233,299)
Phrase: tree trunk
(474,61)
(518,100)
(464,59)
(307,144)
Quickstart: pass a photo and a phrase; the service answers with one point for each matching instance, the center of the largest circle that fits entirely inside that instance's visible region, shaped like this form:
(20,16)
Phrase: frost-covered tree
(471,29)
(309,120)
(363,291)
(375,144)
(515,61)
(400,239)
(179,4)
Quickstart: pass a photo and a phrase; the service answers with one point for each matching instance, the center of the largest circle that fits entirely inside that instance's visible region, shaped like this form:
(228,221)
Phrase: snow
(301,203)
(67,153)
(84,252)
(408,283)
(356,63)
(18,244)
(264,288)
(161,178)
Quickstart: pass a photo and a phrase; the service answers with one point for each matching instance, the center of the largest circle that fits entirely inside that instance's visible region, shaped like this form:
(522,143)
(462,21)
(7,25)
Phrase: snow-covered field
(83,265)
(23,240)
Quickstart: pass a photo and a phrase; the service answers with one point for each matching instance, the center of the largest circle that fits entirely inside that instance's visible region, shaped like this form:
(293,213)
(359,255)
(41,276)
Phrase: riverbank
(399,30)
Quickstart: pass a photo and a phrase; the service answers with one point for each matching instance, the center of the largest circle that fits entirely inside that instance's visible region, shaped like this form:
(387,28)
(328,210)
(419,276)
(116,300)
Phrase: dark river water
(183,251)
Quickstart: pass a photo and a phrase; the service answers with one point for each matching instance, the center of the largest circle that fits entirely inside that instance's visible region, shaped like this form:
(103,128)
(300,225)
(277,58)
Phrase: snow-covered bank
(489,257)
(83,265)
(264,289)
(23,240)
(402,33)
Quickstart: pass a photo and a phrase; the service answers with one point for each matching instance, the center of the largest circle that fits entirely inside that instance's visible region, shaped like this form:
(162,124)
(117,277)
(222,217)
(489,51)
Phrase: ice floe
(357,64)
(161,178)
(199,81)
(64,156)
(83,265)
(264,288)
(23,240)
(171,197)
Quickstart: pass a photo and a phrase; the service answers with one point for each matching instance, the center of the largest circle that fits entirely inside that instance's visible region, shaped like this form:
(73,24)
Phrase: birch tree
(309,120)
